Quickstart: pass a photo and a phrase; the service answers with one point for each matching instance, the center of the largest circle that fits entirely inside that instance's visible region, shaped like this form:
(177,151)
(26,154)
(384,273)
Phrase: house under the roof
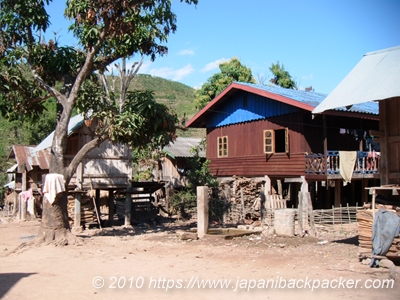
(174,165)
(255,130)
(375,78)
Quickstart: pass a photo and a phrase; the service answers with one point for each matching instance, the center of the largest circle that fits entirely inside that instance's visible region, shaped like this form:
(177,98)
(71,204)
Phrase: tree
(33,70)
(281,76)
(231,71)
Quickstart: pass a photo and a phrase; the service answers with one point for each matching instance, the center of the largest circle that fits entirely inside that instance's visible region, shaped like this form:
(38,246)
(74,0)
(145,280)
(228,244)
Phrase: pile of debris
(242,199)
(365,223)
(88,214)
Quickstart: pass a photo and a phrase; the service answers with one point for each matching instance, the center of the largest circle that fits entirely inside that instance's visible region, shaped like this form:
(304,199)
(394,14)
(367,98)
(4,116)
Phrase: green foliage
(282,77)
(197,175)
(182,201)
(231,71)
(33,70)
(199,172)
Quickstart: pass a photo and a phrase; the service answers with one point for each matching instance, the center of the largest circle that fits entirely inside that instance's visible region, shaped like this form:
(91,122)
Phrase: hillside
(176,95)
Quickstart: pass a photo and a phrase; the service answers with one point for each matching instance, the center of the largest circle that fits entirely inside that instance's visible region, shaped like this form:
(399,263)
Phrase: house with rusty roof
(106,168)
(268,131)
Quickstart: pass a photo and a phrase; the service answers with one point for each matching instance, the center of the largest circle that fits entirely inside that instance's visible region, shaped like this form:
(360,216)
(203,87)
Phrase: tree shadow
(8,280)
(353,240)
(154,225)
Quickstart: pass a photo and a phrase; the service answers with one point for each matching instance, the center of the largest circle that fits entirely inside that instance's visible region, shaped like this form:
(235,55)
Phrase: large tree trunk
(55,225)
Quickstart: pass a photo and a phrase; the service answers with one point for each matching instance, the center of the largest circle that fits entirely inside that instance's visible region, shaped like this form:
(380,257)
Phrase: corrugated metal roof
(296,98)
(375,77)
(27,157)
(181,147)
(74,123)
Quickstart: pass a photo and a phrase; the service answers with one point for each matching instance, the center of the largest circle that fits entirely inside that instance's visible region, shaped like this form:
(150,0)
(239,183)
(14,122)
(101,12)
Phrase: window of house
(276,141)
(222,146)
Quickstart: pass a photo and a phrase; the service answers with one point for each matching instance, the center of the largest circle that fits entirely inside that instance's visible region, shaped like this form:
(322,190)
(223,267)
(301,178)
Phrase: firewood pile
(242,196)
(365,223)
(88,214)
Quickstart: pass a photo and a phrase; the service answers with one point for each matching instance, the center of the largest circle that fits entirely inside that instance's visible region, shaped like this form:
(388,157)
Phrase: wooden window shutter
(225,146)
(222,146)
(287,149)
(269,141)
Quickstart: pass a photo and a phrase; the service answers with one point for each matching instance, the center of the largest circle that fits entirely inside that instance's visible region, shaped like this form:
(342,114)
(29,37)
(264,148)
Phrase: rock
(184,235)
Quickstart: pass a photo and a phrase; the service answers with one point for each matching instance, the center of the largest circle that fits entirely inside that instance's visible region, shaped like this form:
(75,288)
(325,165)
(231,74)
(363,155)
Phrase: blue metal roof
(313,98)
(256,107)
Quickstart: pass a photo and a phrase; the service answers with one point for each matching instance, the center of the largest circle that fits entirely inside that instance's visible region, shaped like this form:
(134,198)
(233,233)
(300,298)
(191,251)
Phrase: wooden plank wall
(391,124)
(246,139)
(279,164)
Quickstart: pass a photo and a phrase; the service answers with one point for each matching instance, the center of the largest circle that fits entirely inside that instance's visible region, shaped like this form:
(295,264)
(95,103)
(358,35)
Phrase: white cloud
(307,77)
(186,52)
(213,65)
(172,74)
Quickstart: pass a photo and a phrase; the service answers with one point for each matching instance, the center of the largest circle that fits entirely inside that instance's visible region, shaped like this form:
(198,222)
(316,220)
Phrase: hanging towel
(26,195)
(53,184)
(347,160)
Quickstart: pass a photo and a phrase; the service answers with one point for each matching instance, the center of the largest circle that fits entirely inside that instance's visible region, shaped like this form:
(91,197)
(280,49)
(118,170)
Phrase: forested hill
(177,96)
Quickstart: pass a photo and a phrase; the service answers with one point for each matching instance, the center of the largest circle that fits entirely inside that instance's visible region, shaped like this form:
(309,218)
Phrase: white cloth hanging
(53,184)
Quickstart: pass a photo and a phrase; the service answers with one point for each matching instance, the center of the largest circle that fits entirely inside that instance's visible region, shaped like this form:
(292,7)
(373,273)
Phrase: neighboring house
(107,167)
(375,78)
(257,131)
(30,165)
(174,165)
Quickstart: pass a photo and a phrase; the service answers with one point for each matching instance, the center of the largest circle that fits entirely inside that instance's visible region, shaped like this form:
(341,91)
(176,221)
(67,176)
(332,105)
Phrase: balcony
(366,165)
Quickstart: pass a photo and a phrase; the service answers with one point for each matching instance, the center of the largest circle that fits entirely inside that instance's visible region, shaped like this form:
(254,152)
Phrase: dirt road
(154,263)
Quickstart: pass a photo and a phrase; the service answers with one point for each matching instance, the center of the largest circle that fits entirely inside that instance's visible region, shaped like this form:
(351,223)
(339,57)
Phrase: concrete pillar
(77,212)
(202,211)
(128,209)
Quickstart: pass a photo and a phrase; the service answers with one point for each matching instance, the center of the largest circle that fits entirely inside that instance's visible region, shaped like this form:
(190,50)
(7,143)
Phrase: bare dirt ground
(154,263)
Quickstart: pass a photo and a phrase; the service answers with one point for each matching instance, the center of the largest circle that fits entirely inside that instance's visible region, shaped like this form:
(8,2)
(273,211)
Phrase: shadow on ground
(8,280)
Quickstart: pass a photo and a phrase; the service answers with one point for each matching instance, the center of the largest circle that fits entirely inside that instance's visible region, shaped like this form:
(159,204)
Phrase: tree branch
(60,97)
(70,170)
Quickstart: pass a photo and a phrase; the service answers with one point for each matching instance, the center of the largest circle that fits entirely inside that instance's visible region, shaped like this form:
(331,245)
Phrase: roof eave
(197,121)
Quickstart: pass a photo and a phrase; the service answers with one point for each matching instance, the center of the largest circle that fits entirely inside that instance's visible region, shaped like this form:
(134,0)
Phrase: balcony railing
(366,163)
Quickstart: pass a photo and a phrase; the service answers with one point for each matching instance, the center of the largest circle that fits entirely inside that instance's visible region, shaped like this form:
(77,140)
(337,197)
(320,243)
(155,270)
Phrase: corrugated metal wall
(244,107)
(245,148)
(246,139)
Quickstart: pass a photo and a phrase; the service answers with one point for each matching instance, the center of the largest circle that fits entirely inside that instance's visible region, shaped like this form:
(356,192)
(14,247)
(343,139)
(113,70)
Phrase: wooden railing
(366,163)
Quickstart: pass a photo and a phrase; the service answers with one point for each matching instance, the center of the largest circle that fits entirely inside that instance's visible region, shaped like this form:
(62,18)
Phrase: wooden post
(128,208)
(279,184)
(243,213)
(22,204)
(97,201)
(110,207)
(311,214)
(338,192)
(262,197)
(300,212)
(227,196)
(383,142)
(202,211)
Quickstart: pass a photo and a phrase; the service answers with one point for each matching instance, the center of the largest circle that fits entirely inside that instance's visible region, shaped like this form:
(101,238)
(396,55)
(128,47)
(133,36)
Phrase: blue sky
(318,41)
